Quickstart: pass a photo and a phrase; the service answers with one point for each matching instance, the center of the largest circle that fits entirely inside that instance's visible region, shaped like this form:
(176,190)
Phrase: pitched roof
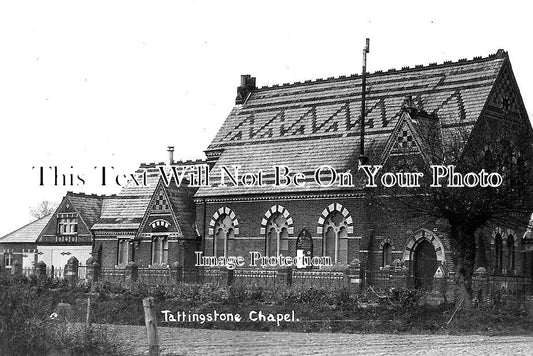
(89,206)
(126,210)
(305,125)
(28,233)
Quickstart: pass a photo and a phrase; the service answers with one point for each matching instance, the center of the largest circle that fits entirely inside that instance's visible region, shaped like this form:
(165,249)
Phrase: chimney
(245,89)
(408,102)
(170,150)
(244,79)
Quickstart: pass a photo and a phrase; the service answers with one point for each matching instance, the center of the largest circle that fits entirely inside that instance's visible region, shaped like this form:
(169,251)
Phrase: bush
(21,315)
(84,340)
(26,327)
(27,304)
(405,298)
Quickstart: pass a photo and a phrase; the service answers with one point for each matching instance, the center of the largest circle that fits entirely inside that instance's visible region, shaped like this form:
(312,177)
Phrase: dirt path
(178,341)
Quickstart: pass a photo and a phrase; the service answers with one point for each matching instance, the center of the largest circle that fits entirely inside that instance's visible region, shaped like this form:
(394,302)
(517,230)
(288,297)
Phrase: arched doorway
(425,264)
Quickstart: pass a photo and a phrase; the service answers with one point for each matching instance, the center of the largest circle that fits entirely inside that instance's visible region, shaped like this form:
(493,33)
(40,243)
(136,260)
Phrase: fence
(52,272)
(485,287)
(319,278)
(267,278)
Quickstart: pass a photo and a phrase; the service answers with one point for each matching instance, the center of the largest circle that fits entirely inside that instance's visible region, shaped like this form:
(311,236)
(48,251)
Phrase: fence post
(40,270)
(285,276)
(228,275)
(93,270)
(16,269)
(97,271)
(132,272)
(353,274)
(151,326)
(529,306)
(176,271)
(64,312)
(88,316)
(481,285)
(71,270)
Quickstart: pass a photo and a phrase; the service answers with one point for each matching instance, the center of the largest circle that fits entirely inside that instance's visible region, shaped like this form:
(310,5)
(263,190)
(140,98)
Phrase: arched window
(223,231)
(159,250)
(277,233)
(387,254)
(510,252)
(335,233)
(159,242)
(123,251)
(499,251)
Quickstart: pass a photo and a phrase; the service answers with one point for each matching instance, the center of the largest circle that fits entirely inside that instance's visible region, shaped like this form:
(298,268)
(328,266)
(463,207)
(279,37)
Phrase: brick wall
(371,225)
(16,249)
(181,251)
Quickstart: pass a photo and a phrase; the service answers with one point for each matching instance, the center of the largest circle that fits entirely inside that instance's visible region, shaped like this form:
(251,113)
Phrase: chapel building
(309,124)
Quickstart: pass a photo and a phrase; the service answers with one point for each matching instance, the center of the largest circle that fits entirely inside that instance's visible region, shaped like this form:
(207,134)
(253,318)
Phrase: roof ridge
(500,54)
(28,224)
(87,195)
(176,163)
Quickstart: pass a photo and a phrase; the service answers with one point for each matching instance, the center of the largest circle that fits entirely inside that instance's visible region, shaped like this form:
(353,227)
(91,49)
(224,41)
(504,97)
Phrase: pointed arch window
(335,233)
(498,245)
(387,254)
(510,253)
(224,230)
(277,234)
(123,251)
(160,250)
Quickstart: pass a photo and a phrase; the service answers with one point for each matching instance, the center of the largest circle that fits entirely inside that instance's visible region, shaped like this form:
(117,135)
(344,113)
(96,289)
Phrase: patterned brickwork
(405,142)
(305,125)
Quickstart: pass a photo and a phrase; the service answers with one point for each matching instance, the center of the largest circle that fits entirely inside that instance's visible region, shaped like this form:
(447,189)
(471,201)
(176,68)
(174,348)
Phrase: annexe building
(68,232)
(20,245)
(57,237)
(151,225)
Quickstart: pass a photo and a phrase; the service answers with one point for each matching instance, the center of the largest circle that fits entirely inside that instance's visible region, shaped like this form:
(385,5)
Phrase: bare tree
(42,209)
(503,147)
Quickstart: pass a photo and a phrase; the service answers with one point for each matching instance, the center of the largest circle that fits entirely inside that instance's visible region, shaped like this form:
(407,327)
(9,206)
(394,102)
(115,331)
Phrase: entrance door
(425,265)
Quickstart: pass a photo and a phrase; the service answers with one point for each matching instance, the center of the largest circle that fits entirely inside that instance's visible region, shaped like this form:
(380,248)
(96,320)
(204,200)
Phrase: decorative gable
(160,203)
(66,208)
(66,225)
(404,142)
(505,98)
(160,217)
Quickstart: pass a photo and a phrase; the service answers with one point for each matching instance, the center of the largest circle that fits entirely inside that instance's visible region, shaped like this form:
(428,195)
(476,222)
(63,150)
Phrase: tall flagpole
(362,158)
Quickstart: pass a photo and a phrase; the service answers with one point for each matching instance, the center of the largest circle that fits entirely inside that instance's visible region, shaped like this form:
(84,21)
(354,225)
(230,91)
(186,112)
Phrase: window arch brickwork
(273,210)
(503,244)
(334,225)
(332,208)
(217,214)
(504,233)
(419,236)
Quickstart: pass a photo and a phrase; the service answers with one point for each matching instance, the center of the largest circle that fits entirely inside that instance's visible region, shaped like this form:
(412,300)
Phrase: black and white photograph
(207,177)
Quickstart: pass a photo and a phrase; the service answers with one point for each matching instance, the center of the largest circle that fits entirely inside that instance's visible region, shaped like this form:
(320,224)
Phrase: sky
(113,83)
